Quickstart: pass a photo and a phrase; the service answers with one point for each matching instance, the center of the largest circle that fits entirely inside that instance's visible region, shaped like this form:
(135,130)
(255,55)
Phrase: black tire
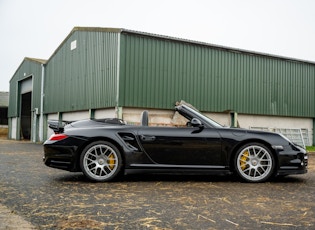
(101,161)
(254,162)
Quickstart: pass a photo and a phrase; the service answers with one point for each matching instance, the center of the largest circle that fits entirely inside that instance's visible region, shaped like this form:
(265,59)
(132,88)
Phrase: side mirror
(196,123)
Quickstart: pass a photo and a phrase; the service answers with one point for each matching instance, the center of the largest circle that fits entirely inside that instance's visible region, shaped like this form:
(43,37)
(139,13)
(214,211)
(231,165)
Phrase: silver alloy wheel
(255,163)
(100,162)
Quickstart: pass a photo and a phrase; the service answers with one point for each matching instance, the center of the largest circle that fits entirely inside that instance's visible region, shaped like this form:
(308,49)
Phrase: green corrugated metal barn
(4,103)
(97,72)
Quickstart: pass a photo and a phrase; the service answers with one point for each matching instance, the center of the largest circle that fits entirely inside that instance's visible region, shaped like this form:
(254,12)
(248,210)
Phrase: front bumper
(294,160)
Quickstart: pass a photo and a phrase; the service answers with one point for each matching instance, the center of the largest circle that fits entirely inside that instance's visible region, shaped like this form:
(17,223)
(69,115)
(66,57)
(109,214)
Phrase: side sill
(169,166)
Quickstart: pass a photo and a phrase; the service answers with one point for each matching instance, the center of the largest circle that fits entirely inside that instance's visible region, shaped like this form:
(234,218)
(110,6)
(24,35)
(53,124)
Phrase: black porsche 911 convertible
(104,149)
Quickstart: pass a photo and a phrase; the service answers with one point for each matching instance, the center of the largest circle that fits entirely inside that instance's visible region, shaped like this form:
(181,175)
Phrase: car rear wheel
(101,161)
(254,162)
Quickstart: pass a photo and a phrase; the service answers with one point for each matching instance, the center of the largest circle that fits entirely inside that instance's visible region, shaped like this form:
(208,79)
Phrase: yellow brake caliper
(111,161)
(243,160)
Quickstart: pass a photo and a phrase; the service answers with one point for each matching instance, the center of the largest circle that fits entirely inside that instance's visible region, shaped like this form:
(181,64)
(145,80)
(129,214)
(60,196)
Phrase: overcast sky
(35,28)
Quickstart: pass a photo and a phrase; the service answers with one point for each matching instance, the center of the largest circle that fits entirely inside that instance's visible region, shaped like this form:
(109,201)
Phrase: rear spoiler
(57,126)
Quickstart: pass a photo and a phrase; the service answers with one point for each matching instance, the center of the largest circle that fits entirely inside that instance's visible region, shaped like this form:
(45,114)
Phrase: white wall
(75,116)
(156,117)
(273,122)
(247,121)
(221,118)
(104,113)
(13,127)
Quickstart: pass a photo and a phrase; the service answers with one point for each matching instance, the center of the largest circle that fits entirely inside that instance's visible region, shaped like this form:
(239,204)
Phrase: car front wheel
(254,162)
(101,161)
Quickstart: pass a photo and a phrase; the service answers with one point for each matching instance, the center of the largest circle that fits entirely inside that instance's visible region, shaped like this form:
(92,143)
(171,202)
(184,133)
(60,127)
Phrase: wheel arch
(94,139)
(237,147)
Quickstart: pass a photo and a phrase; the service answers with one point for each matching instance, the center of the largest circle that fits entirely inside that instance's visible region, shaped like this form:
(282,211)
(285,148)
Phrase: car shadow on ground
(79,177)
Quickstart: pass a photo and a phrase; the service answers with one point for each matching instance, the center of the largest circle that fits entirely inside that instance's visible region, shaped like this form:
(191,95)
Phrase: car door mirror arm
(196,123)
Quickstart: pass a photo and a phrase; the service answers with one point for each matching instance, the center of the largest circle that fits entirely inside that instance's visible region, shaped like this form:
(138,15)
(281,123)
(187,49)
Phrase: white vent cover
(73,45)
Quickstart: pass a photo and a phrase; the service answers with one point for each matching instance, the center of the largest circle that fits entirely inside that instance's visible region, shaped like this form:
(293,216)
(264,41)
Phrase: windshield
(207,119)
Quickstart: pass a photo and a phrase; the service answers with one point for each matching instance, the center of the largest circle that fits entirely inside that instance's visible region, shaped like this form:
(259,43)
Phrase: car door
(181,146)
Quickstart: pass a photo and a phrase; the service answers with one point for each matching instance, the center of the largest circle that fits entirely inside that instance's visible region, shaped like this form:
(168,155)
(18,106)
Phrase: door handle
(147,138)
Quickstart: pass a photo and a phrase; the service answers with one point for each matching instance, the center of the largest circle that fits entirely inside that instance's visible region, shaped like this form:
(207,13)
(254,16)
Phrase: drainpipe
(118,109)
(41,118)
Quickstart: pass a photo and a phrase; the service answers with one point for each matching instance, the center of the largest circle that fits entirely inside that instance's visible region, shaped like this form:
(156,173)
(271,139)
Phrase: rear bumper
(61,157)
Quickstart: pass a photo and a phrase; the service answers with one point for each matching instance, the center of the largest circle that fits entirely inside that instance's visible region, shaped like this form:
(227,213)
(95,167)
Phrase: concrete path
(10,220)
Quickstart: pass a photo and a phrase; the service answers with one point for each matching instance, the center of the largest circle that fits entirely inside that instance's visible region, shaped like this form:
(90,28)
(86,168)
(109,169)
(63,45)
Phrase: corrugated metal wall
(28,68)
(156,72)
(85,77)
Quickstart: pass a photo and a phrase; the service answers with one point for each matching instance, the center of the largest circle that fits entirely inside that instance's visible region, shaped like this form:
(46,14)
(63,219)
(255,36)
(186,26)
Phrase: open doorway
(26,115)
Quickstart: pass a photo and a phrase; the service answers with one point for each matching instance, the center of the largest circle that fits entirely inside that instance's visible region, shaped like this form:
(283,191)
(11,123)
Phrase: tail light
(58,137)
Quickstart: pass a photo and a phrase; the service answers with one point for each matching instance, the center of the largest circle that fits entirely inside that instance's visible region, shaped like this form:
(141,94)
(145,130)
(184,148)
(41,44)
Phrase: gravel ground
(53,199)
